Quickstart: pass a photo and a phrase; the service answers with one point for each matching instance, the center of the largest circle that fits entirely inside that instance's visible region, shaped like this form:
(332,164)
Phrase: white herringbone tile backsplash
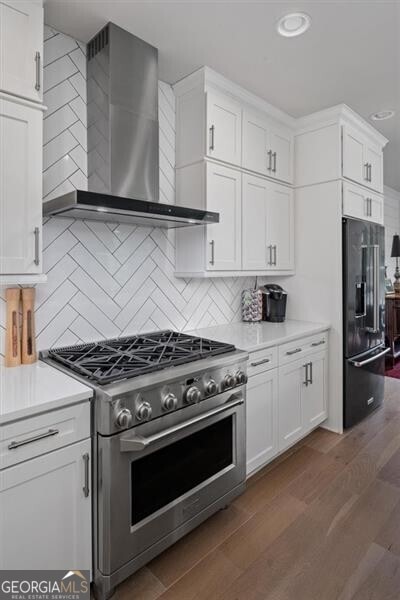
(107,280)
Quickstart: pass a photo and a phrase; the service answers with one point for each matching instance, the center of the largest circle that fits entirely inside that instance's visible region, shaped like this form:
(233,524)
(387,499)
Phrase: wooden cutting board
(29,355)
(13,333)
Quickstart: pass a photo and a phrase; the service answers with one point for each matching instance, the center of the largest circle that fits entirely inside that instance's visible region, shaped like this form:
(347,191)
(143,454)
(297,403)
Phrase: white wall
(392,225)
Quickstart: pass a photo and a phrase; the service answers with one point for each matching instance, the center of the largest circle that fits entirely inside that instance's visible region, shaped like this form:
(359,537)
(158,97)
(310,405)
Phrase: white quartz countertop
(31,389)
(255,336)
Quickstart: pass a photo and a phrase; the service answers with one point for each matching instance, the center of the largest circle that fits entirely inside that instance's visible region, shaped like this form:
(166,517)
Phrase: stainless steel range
(169,440)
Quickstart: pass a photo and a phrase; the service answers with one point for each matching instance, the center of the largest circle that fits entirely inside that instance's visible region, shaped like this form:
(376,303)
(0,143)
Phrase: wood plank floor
(320,523)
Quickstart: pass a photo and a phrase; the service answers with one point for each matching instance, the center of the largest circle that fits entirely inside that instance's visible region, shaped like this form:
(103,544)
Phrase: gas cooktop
(121,358)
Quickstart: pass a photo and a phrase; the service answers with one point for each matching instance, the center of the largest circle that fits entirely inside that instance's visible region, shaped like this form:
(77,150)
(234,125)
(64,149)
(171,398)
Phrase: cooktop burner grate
(109,360)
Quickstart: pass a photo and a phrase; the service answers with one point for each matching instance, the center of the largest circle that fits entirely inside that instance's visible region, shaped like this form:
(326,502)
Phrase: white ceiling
(351,53)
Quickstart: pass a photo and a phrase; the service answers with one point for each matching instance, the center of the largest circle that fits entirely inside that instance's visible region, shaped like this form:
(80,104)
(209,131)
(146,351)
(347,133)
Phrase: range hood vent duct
(123,149)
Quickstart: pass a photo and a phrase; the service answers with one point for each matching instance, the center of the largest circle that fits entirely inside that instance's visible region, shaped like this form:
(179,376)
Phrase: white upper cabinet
(267,147)
(256,254)
(280,227)
(337,143)
(218,119)
(216,249)
(224,238)
(362,160)
(224,128)
(257,153)
(268,225)
(21,48)
(360,203)
(21,188)
(282,152)
(374,160)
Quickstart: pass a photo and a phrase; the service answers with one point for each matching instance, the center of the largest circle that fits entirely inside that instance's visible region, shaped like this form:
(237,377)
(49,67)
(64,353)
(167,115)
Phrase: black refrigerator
(363,318)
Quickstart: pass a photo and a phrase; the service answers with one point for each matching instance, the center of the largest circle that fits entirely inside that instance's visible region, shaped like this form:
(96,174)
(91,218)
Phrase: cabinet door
(261,419)
(21,48)
(224,191)
(21,188)
(257,153)
(374,158)
(224,128)
(315,392)
(354,167)
(376,208)
(255,254)
(355,202)
(282,153)
(280,227)
(290,419)
(48,524)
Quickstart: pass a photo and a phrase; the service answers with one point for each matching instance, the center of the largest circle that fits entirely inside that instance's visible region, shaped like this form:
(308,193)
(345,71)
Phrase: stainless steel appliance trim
(86,488)
(357,363)
(35,438)
(139,443)
(211,144)
(36,233)
(260,362)
(290,352)
(37,62)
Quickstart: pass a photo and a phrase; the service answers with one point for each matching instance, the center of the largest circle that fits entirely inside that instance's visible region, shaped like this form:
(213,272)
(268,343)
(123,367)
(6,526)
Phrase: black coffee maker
(274,303)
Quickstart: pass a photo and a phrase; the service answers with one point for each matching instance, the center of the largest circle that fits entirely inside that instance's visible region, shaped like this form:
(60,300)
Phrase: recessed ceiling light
(293,24)
(382,115)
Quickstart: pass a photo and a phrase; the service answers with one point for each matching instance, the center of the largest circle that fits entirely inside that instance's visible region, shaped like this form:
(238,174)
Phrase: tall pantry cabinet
(338,174)
(21,125)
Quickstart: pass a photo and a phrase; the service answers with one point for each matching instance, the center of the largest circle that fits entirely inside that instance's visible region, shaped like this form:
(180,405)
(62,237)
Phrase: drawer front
(301,347)
(38,435)
(262,360)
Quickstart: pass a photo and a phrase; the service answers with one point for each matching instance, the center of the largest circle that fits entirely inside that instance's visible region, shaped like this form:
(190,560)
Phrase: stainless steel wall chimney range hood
(122,111)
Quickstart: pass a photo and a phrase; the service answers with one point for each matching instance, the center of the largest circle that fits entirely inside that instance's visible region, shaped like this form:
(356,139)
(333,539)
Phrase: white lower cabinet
(262,414)
(314,393)
(285,403)
(291,378)
(45,511)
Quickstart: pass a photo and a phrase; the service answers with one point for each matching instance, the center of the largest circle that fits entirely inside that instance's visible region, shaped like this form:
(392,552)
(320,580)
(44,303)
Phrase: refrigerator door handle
(375,254)
(357,363)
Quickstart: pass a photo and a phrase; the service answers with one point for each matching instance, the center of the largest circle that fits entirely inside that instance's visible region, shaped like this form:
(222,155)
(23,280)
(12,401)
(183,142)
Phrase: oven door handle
(138,443)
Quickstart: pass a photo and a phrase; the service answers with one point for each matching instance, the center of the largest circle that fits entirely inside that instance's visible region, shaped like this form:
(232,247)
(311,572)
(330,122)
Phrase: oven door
(155,477)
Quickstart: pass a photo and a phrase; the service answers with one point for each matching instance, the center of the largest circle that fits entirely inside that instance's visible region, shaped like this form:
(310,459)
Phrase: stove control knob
(229,381)
(192,395)
(169,402)
(240,377)
(143,412)
(211,387)
(124,418)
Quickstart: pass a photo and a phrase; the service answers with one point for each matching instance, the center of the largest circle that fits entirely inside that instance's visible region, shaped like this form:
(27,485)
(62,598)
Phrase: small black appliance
(274,303)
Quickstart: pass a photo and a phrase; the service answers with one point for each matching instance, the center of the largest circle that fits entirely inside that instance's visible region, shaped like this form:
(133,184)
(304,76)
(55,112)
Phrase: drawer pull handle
(86,489)
(290,352)
(260,362)
(37,61)
(35,438)
(318,343)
